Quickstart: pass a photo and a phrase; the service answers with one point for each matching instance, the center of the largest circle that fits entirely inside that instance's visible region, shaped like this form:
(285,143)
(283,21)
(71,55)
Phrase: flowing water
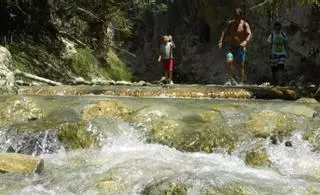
(128,163)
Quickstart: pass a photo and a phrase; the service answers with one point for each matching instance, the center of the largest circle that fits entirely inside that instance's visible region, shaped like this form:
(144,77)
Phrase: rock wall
(196,27)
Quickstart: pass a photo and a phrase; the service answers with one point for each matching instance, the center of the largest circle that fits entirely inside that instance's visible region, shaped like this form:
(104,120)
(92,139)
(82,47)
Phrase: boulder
(18,109)
(267,123)
(7,81)
(110,108)
(20,163)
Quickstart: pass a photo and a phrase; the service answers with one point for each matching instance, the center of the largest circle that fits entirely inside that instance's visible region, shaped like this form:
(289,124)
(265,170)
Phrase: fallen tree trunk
(37,78)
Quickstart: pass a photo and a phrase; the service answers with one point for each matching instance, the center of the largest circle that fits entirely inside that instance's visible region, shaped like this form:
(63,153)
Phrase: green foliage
(117,68)
(83,62)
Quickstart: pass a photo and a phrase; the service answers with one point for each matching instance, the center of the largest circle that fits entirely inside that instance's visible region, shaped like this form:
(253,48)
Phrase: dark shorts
(277,63)
(238,55)
(167,64)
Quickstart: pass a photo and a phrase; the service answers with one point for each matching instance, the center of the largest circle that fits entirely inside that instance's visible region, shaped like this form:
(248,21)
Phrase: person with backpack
(279,51)
(236,36)
(166,56)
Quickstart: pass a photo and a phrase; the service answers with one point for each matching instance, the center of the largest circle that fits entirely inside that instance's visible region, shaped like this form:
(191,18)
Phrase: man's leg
(241,72)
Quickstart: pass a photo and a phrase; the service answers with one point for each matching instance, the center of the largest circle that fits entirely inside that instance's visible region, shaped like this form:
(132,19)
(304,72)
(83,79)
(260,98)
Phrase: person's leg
(170,71)
(241,57)
(229,64)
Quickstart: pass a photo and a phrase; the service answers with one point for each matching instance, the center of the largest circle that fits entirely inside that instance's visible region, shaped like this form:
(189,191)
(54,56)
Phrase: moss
(83,62)
(117,68)
(76,135)
(111,184)
(257,157)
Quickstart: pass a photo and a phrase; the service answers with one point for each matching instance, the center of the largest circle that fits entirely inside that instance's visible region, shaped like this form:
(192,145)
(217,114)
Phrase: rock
(307,101)
(7,79)
(20,163)
(166,187)
(301,110)
(267,123)
(110,108)
(19,109)
(257,157)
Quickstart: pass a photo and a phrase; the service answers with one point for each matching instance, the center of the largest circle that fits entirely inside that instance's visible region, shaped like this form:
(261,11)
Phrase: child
(166,56)
(278,42)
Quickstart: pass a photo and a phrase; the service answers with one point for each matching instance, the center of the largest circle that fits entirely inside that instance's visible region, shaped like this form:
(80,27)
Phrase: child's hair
(170,38)
(277,24)
(166,39)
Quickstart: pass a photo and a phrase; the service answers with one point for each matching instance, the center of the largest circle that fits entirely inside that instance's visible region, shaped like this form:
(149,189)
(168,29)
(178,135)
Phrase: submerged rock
(257,157)
(167,188)
(110,108)
(267,123)
(165,132)
(19,109)
(20,163)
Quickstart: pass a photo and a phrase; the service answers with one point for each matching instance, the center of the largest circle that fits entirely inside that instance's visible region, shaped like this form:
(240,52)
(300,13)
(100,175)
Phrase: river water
(128,163)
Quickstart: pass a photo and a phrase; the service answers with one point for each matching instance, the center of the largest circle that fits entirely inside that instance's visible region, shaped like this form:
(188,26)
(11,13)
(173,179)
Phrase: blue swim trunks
(237,55)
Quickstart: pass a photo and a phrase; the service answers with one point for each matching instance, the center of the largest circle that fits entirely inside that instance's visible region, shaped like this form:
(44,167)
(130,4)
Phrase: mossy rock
(110,108)
(305,100)
(18,109)
(311,191)
(205,137)
(197,133)
(166,188)
(75,136)
(165,131)
(257,157)
(267,123)
(20,163)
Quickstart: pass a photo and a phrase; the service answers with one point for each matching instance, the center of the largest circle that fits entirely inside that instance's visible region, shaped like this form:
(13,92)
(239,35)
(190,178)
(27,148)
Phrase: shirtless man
(236,36)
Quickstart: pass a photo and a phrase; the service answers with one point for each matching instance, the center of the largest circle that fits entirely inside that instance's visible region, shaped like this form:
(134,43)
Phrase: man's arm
(249,35)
